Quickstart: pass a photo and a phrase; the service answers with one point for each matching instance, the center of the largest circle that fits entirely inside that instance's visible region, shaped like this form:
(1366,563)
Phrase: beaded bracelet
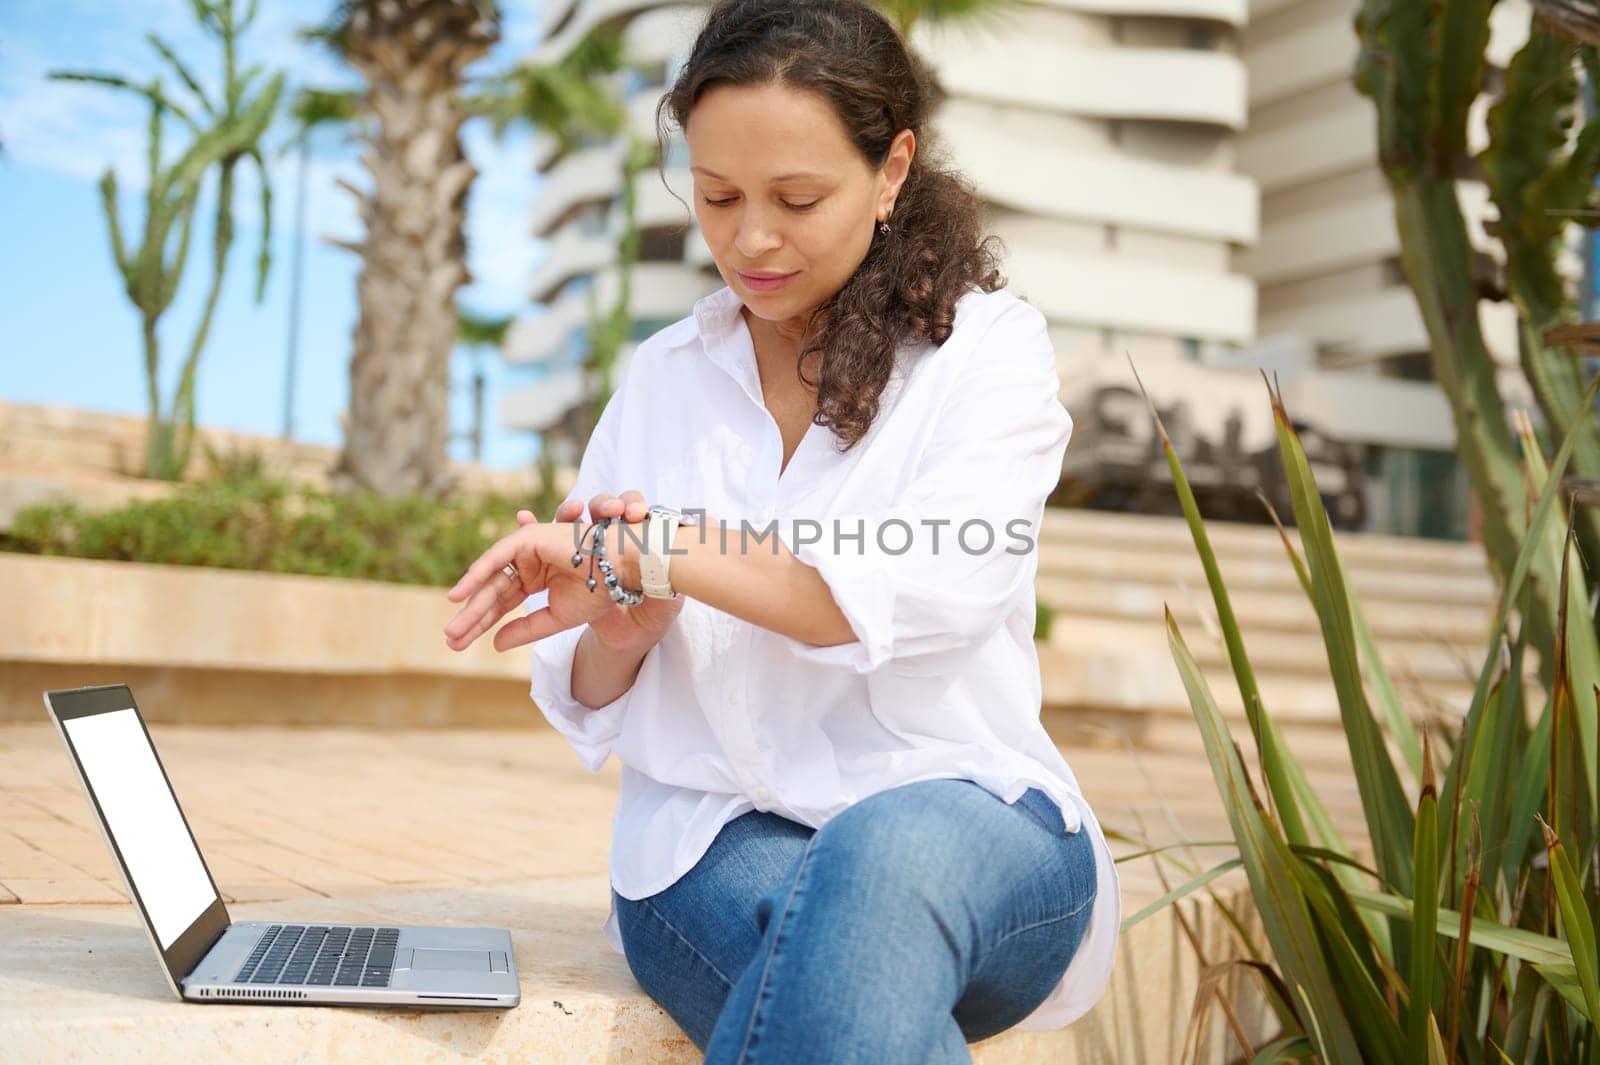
(613,584)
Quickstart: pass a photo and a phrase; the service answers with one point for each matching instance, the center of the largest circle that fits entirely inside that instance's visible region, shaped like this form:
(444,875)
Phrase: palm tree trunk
(414,252)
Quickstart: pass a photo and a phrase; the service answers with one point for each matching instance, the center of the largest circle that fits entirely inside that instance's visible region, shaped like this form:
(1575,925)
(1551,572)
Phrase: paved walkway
(499,828)
(292,813)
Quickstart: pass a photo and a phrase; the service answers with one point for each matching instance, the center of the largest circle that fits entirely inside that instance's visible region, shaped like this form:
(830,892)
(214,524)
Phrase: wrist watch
(660,523)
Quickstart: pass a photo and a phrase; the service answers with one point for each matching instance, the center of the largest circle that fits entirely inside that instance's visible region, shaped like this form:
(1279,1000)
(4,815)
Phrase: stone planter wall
(208,646)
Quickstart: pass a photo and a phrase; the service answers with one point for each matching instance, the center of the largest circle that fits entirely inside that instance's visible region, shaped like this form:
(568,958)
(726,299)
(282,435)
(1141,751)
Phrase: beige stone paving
(501,828)
(284,813)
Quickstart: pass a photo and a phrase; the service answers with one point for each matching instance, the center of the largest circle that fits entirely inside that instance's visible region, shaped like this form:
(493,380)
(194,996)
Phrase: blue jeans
(916,920)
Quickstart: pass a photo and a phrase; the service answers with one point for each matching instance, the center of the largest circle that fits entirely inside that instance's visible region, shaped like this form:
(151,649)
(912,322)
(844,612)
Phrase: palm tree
(568,99)
(413,54)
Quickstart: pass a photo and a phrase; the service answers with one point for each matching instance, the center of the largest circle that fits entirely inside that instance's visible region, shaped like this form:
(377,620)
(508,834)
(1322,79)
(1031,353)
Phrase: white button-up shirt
(943,679)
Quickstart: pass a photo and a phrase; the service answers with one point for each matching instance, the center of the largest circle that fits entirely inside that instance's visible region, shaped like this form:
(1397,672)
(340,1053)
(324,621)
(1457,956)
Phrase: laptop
(209,958)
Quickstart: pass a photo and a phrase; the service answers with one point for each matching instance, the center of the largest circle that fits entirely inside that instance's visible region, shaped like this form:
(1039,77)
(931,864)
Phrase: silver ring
(510,570)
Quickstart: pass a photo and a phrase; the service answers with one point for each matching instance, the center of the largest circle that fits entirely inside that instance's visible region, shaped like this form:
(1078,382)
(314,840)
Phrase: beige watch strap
(660,525)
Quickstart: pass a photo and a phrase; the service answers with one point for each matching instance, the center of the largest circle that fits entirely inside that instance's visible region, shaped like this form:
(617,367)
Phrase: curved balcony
(1111,291)
(540,339)
(1355,231)
(537,407)
(588,15)
(1319,53)
(593,175)
(1230,12)
(641,114)
(656,36)
(1331,137)
(660,290)
(1062,181)
(1162,84)
(553,13)
(641,108)
(654,205)
(1380,323)
(571,254)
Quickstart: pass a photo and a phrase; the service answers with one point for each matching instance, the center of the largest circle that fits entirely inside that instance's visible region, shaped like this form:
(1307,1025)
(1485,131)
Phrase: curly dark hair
(906,288)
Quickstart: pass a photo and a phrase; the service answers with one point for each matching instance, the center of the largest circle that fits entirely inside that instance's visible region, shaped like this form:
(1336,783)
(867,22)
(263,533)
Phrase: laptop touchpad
(476,961)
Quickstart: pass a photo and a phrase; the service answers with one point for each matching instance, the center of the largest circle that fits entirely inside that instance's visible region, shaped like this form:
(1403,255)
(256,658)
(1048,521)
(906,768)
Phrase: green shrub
(241,517)
(1469,935)
(1043,618)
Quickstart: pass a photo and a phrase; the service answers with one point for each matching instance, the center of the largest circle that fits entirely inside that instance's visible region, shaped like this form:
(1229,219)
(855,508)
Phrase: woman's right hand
(623,628)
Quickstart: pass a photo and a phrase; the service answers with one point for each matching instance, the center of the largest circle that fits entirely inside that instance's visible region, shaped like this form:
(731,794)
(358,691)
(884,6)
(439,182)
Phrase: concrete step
(1148,682)
(1238,539)
(1421,659)
(1263,611)
(1132,564)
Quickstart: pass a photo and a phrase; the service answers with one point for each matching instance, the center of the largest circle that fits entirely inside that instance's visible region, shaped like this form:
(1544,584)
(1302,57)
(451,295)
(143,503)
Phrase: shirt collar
(726,339)
(717,312)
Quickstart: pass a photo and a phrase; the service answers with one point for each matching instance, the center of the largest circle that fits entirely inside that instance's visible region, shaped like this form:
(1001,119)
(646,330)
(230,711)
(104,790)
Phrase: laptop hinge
(204,954)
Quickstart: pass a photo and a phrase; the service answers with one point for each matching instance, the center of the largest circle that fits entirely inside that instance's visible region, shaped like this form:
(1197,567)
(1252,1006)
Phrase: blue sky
(70,336)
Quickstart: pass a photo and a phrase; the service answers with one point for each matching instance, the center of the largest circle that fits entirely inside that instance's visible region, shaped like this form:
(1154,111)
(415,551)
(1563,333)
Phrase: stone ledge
(195,617)
(82,984)
(227,646)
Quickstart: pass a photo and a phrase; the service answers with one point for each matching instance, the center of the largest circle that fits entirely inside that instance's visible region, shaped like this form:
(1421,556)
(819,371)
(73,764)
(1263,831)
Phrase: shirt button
(733,699)
(763,794)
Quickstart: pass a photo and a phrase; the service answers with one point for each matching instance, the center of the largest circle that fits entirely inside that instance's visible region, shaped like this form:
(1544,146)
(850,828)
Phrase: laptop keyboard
(319,956)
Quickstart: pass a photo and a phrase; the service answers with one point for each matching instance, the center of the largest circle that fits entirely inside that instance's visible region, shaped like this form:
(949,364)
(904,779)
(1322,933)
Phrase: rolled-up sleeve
(590,731)
(941,566)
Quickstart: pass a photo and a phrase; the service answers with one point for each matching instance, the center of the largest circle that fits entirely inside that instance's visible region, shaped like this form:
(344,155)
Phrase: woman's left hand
(542,554)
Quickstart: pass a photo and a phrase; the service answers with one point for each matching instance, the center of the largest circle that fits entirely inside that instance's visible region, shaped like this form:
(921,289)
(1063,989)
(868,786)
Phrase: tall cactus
(227,131)
(1540,178)
(1422,64)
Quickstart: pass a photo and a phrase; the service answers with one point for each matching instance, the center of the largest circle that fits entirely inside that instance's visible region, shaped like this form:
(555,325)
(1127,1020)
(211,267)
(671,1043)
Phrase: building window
(1200,35)
(577,343)
(1416,366)
(574,286)
(1417,493)
(591,219)
(661,245)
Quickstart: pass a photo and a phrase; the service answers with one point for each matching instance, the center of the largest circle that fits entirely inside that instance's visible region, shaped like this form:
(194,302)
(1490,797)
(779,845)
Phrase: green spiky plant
(1470,935)
(225,129)
(1423,64)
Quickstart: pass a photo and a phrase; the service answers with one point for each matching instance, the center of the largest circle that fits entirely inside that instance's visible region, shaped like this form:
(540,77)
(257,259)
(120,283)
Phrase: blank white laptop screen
(142,816)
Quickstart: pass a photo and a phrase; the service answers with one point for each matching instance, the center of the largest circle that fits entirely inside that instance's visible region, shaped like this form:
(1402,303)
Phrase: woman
(842,833)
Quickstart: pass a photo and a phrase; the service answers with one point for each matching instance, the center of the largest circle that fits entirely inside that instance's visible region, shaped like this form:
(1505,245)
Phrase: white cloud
(79,130)
(72,129)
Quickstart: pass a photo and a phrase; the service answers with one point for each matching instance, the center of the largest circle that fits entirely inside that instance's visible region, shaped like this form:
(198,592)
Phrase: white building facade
(1191,184)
